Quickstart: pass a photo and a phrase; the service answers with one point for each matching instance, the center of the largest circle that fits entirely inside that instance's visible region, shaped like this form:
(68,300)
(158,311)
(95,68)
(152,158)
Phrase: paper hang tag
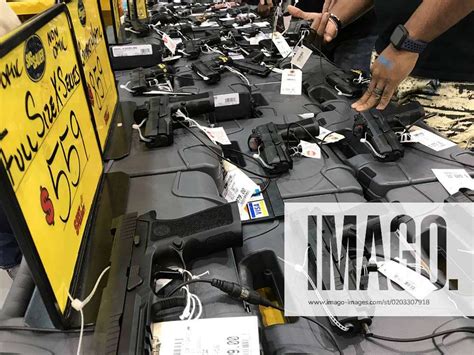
(454,179)
(306,115)
(310,150)
(169,43)
(415,284)
(217,135)
(334,137)
(291,82)
(281,44)
(238,186)
(261,24)
(301,56)
(236,56)
(230,335)
(286,22)
(430,139)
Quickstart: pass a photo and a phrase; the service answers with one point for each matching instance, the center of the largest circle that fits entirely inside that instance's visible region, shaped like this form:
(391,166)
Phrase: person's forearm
(350,10)
(434,17)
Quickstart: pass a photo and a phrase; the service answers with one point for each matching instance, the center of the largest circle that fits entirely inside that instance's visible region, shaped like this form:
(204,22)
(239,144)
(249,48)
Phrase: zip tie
(138,128)
(299,268)
(125,87)
(371,147)
(340,93)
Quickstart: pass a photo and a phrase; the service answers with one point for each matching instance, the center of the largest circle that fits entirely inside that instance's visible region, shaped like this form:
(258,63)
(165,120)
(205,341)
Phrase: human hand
(388,71)
(320,21)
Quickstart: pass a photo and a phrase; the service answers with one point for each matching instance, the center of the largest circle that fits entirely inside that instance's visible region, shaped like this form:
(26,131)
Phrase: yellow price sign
(141,9)
(94,57)
(50,159)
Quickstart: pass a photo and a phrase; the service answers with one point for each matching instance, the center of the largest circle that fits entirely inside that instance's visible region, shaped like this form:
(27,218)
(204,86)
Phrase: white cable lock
(300,269)
(138,128)
(238,73)
(78,305)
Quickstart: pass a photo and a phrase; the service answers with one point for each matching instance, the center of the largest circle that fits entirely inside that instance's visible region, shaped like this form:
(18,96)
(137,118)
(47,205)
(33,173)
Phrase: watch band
(337,22)
(412,45)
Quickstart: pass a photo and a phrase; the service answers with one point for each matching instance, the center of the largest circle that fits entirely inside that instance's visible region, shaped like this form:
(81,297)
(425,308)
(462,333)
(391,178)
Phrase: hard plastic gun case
(124,316)
(309,177)
(377,177)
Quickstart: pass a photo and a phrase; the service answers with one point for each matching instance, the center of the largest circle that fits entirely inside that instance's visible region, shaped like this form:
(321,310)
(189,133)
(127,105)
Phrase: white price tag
(291,82)
(301,56)
(454,179)
(236,56)
(232,335)
(253,41)
(310,150)
(217,135)
(238,186)
(226,100)
(430,139)
(130,51)
(262,24)
(281,44)
(415,284)
(169,43)
(334,137)
(286,22)
(306,115)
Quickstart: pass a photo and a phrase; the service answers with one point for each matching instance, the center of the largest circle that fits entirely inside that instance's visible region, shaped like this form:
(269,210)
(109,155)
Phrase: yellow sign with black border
(94,58)
(141,9)
(50,159)
(116,19)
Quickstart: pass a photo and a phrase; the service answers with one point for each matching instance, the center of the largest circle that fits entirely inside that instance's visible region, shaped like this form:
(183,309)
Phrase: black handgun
(192,47)
(376,129)
(250,67)
(139,29)
(160,116)
(210,70)
(271,139)
(142,79)
(347,83)
(144,248)
(176,243)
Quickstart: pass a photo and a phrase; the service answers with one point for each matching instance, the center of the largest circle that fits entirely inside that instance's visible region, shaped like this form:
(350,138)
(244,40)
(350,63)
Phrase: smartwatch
(401,40)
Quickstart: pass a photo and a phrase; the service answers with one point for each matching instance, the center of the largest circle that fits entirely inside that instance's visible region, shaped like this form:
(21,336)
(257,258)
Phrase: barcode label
(227,336)
(178,346)
(226,100)
(415,284)
(130,51)
(245,346)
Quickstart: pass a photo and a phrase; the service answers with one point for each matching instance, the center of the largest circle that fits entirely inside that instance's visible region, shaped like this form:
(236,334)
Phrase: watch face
(398,37)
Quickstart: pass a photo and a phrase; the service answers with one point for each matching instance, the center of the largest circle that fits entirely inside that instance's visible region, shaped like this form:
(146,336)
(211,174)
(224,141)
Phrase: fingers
(321,29)
(372,96)
(386,96)
(331,32)
(294,11)
(364,97)
(327,6)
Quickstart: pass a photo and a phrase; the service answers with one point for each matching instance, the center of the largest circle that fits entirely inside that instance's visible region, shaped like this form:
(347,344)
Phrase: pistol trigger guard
(153,82)
(371,147)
